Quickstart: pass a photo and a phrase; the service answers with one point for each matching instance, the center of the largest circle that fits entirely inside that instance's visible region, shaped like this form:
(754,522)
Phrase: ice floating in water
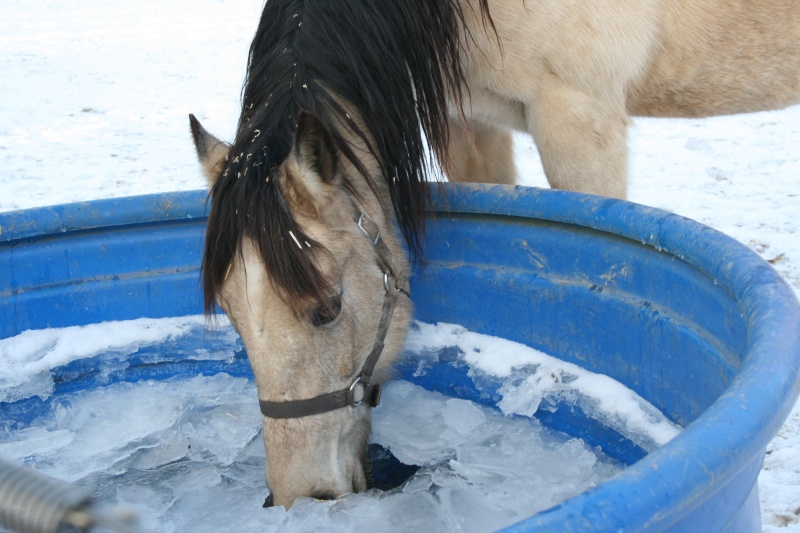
(185,452)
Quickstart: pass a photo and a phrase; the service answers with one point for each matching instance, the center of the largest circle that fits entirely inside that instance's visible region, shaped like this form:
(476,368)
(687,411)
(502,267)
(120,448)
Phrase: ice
(155,419)
(462,416)
(513,464)
(186,453)
(35,438)
(27,358)
(532,376)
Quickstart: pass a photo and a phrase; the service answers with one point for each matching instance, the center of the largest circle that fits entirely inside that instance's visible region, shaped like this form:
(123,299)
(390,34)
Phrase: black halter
(361,389)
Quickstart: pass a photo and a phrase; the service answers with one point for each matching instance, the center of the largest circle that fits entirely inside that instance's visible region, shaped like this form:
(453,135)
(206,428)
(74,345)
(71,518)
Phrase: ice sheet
(186,455)
(186,452)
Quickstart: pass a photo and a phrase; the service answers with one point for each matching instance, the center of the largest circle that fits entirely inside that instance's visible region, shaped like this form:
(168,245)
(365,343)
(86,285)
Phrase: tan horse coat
(571,73)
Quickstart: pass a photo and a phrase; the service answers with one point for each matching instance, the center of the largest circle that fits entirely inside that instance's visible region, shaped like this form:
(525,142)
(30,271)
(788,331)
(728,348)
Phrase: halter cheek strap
(361,389)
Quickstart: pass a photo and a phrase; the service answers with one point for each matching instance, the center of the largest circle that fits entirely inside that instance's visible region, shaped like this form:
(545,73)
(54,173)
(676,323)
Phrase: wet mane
(396,62)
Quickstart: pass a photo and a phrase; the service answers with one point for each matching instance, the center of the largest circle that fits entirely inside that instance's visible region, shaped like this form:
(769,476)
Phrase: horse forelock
(260,213)
(394,63)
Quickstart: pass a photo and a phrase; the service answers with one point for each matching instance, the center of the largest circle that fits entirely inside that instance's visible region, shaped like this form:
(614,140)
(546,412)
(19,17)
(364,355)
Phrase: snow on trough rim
(27,358)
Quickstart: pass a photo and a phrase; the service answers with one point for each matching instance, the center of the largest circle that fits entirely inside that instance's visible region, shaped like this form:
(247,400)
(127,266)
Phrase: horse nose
(319,495)
(324,495)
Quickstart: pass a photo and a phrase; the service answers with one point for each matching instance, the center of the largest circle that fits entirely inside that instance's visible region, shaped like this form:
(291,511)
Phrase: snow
(94,98)
(601,397)
(27,358)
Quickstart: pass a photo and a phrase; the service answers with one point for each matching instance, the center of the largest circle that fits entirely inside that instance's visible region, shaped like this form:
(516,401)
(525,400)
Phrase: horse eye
(326,312)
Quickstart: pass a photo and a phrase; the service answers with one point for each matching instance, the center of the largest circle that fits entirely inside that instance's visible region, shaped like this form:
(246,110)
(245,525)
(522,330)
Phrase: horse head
(303,249)
(318,359)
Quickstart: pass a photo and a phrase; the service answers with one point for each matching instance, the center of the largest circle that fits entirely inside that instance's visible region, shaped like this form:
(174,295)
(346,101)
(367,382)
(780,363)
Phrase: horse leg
(582,139)
(480,154)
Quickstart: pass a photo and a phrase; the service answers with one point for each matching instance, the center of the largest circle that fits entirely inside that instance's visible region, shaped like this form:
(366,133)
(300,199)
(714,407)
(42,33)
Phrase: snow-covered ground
(94,98)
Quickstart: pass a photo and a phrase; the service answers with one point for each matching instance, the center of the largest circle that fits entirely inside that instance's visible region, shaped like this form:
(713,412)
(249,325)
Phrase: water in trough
(185,452)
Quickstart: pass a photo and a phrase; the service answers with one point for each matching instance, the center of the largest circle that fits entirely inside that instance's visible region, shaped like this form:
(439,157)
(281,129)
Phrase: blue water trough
(688,318)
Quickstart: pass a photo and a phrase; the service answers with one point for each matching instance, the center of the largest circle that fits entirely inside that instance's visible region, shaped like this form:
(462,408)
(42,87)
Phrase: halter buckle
(363,221)
(356,393)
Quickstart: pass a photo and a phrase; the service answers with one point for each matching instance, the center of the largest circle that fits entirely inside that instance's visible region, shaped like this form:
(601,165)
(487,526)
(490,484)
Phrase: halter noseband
(361,389)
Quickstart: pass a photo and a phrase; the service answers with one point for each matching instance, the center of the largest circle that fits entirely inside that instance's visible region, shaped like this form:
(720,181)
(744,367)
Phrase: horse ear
(212,153)
(310,181)
(315,148)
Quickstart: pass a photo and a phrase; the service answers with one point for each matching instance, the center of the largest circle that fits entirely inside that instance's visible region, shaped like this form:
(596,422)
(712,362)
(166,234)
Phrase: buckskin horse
(326,175)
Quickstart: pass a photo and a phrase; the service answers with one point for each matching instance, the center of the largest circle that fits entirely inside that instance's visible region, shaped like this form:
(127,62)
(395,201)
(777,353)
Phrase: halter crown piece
(361,389)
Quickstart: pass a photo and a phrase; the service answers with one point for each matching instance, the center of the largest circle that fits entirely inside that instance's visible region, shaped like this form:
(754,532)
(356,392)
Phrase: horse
(573,73)
(325,181)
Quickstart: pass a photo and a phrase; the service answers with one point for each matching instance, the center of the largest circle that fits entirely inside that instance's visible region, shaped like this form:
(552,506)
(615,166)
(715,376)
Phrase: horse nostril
(269,502)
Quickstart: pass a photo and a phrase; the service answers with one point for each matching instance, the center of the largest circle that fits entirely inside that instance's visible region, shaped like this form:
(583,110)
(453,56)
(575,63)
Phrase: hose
(31,502)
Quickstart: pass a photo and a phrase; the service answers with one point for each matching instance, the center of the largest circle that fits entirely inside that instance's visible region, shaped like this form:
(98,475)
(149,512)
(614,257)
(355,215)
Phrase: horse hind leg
(480,153)
(582,140)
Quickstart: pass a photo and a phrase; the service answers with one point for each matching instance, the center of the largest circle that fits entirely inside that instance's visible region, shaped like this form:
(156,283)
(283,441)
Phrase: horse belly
(722,57)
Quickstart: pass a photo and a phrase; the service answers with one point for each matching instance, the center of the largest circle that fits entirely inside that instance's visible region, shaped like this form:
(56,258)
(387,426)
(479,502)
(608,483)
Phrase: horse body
(722,57)
(325,178)
(572,73)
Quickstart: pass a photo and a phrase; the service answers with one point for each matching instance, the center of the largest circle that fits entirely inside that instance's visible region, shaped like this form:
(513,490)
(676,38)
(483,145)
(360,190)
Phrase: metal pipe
(31,502)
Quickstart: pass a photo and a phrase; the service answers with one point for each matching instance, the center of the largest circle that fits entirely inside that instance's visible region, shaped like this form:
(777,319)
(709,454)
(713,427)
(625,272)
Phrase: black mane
(396,61)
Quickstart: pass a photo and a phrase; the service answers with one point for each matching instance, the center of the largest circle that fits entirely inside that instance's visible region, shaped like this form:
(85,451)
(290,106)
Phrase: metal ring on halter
(386,282)
(352,390)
